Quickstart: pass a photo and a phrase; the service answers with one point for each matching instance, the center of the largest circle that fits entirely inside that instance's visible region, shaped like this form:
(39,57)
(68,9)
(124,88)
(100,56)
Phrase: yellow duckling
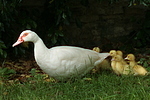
(121,67)
(118,52)
(127,69)
(118,68)
(137,69)
(97,49)
(121,54)
(113,53)
(105,64)
(117,60)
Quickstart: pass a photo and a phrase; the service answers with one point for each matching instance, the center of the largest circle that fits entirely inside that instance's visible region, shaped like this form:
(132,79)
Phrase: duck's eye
(25,34)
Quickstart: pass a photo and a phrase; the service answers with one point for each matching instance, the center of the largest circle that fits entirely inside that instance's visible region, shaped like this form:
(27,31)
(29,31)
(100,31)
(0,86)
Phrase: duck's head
(119,52)
(26,36)
(97,49)
(112,53)
(130,57)
(117,58)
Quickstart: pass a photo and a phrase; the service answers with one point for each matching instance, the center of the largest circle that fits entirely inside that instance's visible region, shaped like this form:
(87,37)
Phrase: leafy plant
(131,2)
(56,16)
(143,2)
(145,61)
(138,40)
(7,73)
(2,52)
(38,77)
(13,19)
(142,36)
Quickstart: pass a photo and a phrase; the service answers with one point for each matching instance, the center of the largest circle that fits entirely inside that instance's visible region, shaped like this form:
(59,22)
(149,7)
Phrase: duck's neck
(132,63)
(40,49)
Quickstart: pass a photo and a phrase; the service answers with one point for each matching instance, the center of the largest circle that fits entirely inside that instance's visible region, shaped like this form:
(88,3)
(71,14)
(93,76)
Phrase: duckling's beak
(112,59)
(126,58)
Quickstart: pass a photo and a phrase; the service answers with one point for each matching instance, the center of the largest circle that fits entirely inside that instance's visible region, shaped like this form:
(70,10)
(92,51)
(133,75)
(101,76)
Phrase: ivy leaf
(54,40)
(61,34)
(64,16)
(28,26)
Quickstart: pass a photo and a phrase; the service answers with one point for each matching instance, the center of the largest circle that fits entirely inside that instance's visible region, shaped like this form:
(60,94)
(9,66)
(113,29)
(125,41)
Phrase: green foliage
(33,71)
(57,14)
(13,19)
(6,73)
(2,51)
(142,2)
(145,61)
(35,74)
(141,38)
(138,40)
(131,2)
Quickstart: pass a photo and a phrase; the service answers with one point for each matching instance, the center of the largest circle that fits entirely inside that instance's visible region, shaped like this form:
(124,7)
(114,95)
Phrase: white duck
(61,62)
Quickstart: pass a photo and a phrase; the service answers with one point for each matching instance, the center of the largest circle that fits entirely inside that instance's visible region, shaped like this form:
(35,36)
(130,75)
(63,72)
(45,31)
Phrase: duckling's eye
(111,53)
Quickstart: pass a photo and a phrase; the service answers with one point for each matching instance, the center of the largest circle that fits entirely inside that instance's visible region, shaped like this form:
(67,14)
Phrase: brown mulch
(22,69)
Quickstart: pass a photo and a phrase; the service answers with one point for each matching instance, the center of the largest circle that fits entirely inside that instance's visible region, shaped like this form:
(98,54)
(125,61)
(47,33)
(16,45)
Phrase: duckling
(119,52)
(117,60)
(118,68)
(127,69)
(137,69)
(121,67)
(105,64)
(113,53)
(97,49)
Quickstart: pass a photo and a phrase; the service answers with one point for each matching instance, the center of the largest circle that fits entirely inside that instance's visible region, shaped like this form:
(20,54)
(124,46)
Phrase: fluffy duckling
(118,52)
(117,68)
(113,53)
(117,60)
(121,67)
(97,49)
(137,69)
(105,64)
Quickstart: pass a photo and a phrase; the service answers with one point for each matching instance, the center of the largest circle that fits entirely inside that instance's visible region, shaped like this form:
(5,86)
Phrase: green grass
(103,86)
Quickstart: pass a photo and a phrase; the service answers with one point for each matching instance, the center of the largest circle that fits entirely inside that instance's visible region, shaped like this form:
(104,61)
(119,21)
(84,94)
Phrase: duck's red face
(20,39)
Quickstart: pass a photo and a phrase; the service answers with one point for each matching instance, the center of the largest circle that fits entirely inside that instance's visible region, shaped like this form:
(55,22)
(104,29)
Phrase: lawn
(101,86)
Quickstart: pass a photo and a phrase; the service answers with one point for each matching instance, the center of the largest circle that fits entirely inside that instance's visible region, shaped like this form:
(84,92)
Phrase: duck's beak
(112,59)
(19,41)
(126,58)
